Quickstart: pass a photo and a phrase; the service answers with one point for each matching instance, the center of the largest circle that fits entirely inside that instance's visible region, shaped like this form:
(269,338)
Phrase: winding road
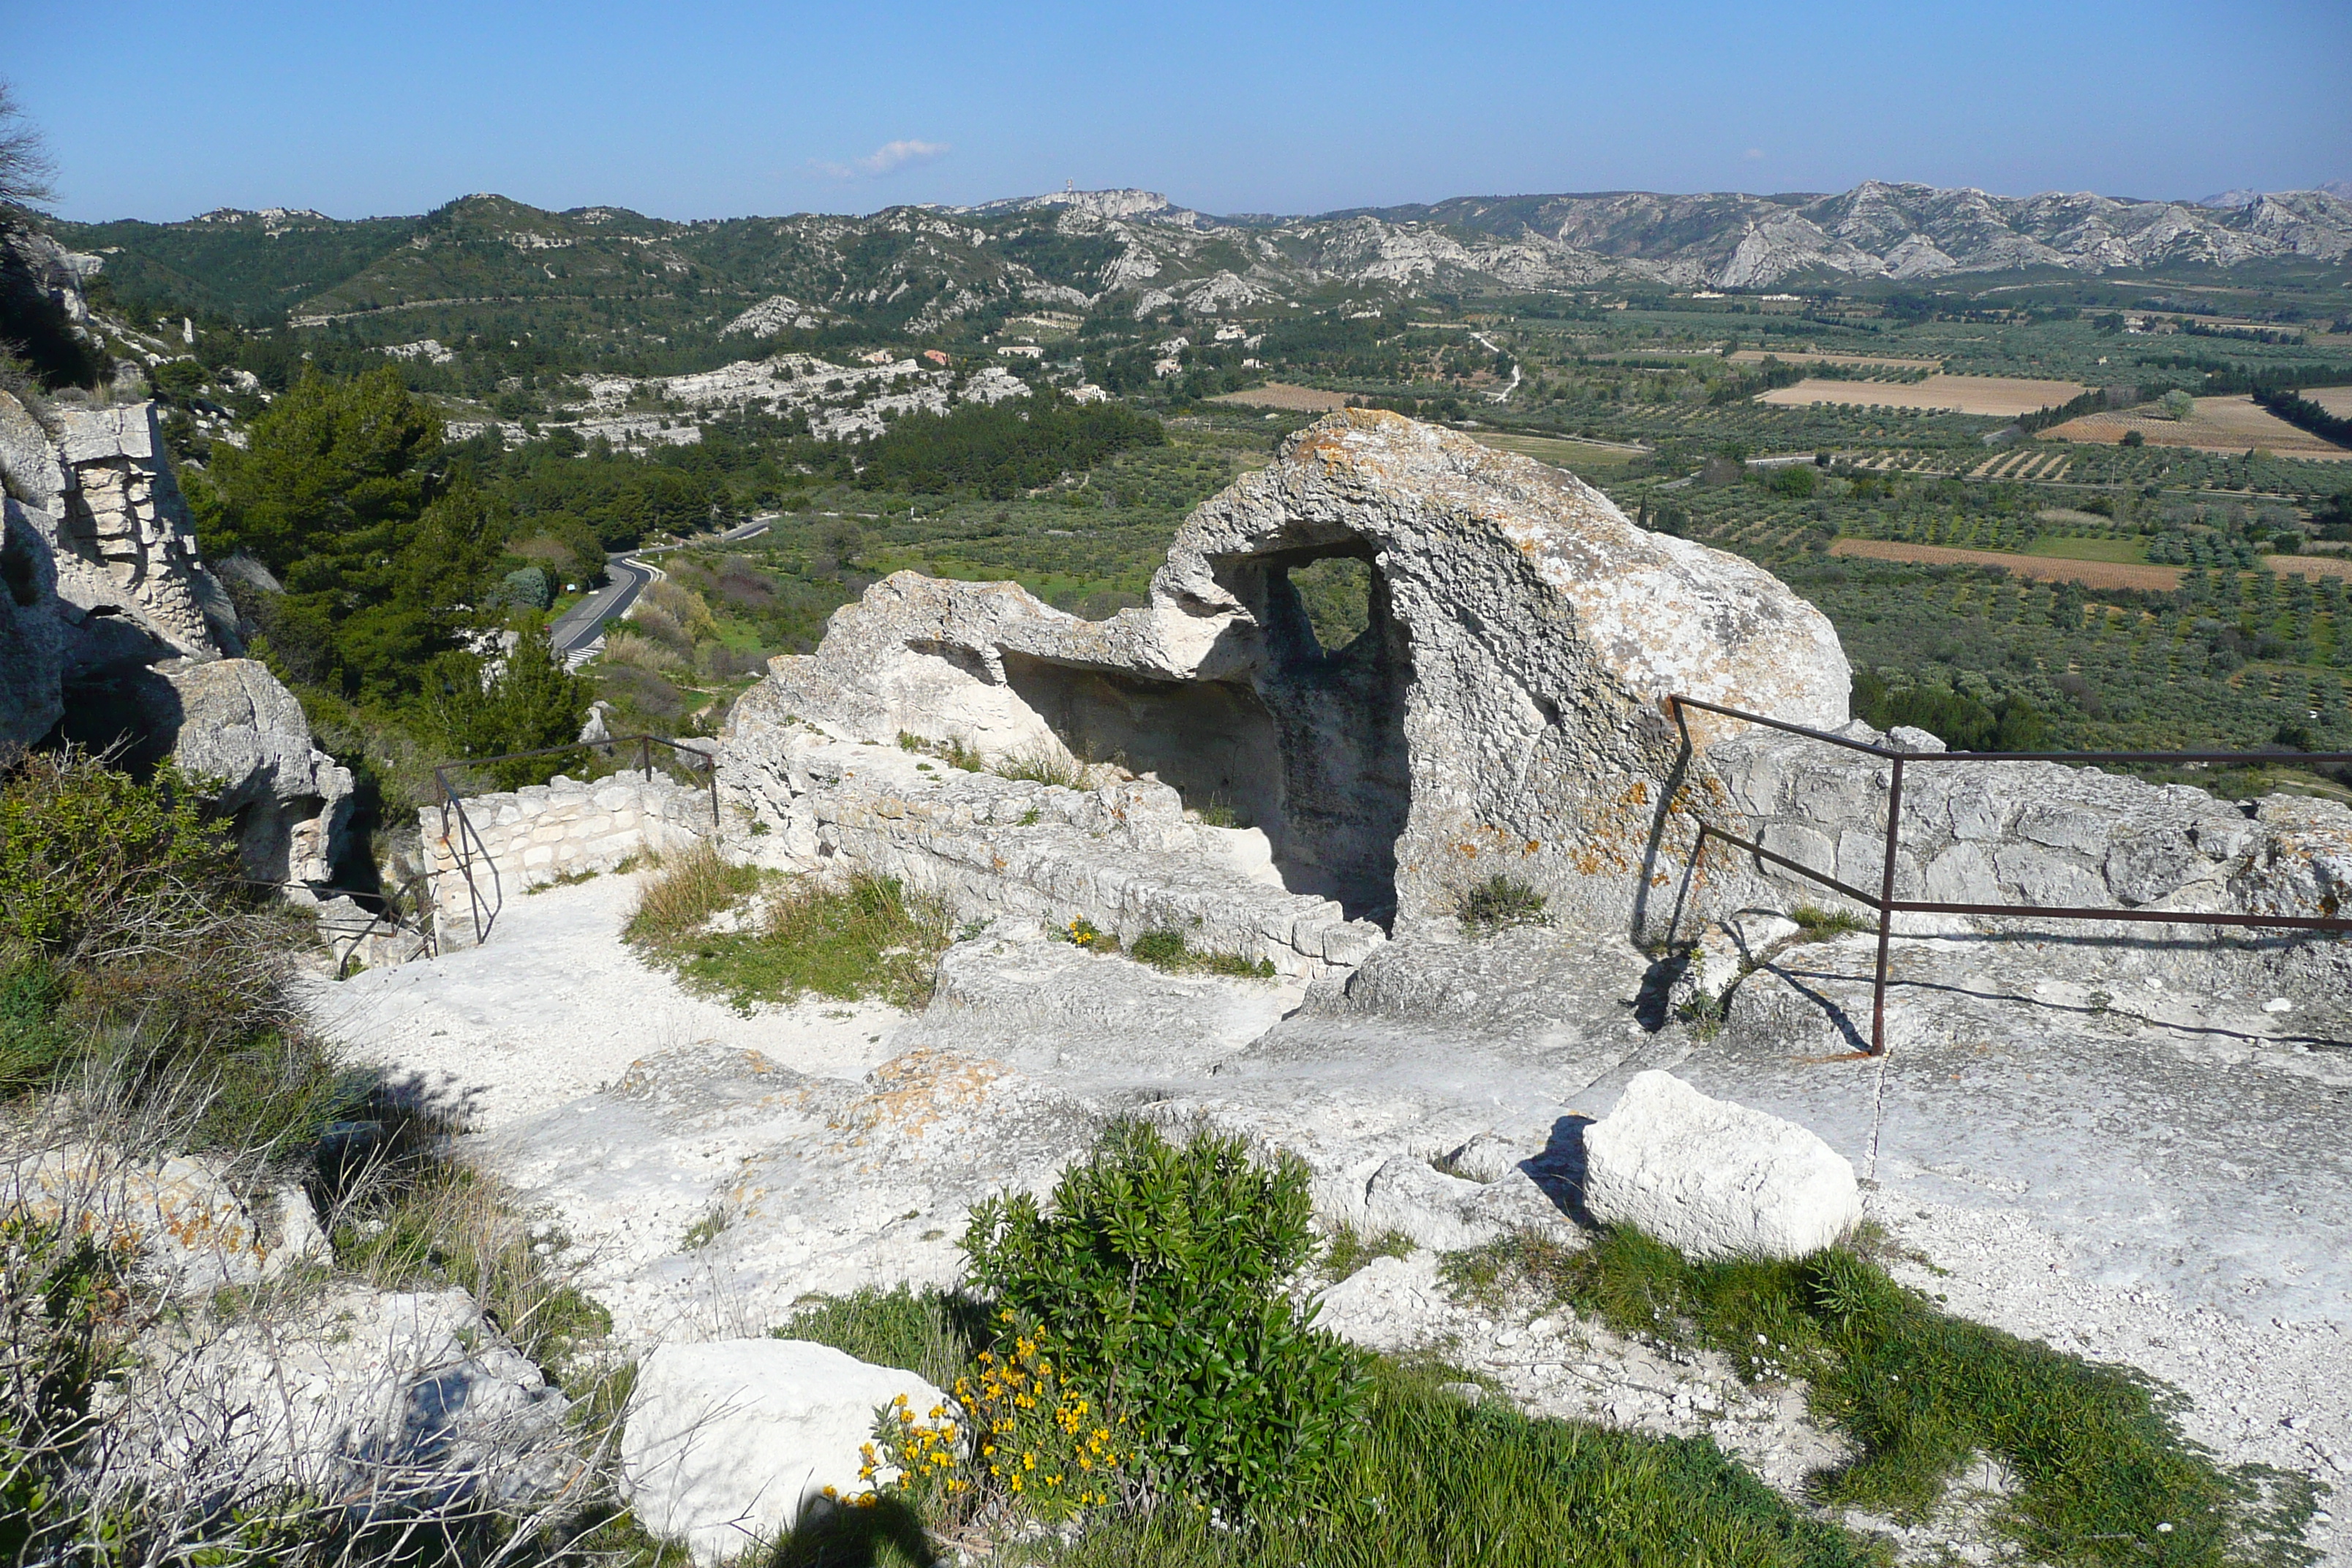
(583,623)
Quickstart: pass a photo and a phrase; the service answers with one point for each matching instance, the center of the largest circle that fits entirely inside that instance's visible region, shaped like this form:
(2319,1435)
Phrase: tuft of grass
(569,880)
(1824,925)
(1044,766)
(691,889)
(1347,1250)
(1499,902)
(857,937)
(933,1335)
(956,751)
(2105,1476)
(1167,950)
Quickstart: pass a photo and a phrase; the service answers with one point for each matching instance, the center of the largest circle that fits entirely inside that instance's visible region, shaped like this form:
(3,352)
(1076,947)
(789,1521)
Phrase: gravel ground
(2172,1196)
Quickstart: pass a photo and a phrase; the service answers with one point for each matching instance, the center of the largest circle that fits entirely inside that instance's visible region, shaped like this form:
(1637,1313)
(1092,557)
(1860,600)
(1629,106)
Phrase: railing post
(645,757)
(1885,910)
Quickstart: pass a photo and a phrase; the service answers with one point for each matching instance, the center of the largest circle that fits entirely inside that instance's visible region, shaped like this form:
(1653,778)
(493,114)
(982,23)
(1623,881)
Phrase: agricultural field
(1853,362)
(2042,565)
(2217,425)
(1282,394)
(1998,397)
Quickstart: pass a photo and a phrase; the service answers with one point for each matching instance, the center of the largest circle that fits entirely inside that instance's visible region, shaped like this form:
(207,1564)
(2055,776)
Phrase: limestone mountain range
(917,268)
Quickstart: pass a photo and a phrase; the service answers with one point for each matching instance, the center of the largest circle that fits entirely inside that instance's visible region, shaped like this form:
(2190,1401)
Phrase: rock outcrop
(1502,714)
(380,1402)
(130,584)
(32,634)
(113,631)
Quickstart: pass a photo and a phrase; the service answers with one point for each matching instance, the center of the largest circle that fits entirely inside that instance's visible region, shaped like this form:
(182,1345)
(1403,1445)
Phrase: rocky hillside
(919,268)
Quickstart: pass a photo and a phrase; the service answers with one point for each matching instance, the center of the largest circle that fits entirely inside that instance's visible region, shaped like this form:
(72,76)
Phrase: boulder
(729,1442)
(179,1217)
(381,1399)
(288,799)
(1712,1179)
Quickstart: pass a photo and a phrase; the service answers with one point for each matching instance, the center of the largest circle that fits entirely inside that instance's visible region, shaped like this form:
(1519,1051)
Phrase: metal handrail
(389,918)
(486,915)
(1888,905)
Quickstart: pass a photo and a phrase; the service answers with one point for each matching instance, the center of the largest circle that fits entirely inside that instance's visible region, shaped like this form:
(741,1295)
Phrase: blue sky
(686,109)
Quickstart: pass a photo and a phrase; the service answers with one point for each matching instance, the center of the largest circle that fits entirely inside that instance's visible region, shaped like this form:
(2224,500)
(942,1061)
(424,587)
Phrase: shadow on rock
(1559,1170)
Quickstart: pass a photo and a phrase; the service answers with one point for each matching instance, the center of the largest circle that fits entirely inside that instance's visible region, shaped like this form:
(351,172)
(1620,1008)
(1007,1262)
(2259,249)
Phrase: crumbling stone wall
(522,839)
(1124,855)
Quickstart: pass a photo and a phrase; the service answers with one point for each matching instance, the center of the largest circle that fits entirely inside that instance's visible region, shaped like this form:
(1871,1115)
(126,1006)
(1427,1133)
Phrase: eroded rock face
(1502,713)
(32,637)
(127,569)
(380,1400)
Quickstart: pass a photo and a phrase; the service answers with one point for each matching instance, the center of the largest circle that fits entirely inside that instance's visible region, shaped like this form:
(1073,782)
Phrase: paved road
(583,623)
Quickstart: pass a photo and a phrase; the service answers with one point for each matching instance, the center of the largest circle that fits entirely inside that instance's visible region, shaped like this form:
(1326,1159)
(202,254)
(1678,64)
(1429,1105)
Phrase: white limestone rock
(728,1442)
(379,1398)
(1715,1180)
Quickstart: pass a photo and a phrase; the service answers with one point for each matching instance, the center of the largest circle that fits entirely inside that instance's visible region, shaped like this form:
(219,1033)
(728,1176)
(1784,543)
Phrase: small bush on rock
(1157,1273)
(1499,902)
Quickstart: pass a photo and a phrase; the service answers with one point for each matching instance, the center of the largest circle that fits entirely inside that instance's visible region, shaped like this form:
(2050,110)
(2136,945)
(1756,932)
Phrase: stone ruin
(113,631)
(1504,713)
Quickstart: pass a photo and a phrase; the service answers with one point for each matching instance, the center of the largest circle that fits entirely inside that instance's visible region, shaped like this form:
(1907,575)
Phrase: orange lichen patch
(913,1091)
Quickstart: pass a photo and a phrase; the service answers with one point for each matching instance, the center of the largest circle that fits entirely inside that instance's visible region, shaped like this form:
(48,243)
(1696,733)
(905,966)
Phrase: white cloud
(888,158)
(1753,154)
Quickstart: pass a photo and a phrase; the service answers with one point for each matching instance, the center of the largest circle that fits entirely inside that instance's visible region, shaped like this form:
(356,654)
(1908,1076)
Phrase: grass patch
(859,937)
(691,889)
(1826,925)
(2105,1476)
(933,1333)
(1499,902)
(1167,950)
(1347,1249)
(569,880)
(1433,1479)
(1046,767)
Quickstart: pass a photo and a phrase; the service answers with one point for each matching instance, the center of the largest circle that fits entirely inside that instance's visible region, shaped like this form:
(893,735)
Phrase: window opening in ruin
(1336,594)
(1339,715)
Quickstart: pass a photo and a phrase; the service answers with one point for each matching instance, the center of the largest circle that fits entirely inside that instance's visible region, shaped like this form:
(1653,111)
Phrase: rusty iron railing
(468,845)
(1888,906)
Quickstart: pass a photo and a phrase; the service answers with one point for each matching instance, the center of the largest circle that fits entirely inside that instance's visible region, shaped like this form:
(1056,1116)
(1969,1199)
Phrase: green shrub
(1498,903)
(1159,1271)
(83,846)
(31,1040)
